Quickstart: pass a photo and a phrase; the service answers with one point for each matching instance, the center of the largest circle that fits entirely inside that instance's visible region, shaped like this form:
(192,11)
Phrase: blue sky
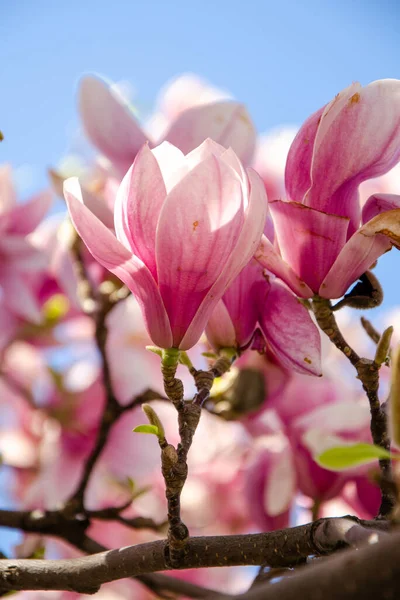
(283,59)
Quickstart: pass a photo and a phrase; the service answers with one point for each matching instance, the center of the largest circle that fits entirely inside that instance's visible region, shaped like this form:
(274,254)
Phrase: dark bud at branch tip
(367,293)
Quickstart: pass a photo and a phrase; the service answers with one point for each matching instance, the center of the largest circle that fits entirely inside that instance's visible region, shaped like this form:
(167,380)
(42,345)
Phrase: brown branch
(327,322)
(55,524)
(282,548)
(174,460)
(50,522)
(372,572)
(147,396)
(86,291)
(368,374)
(159,584)
(97,304)
(112,412)
(114,514)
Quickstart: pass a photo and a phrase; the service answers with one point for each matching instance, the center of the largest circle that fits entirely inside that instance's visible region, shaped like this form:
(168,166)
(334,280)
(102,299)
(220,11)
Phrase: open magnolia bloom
(112,127)
(325,242)
(185,226)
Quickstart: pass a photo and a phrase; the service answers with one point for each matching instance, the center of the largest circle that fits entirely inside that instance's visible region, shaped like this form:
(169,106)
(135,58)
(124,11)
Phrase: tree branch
(159,584)
(372,572)
(276,549)
(370,330)
(368,374)
(54,523)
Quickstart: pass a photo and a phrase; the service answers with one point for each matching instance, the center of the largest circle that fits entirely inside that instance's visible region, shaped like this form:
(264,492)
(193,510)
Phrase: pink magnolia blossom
(270,477)
(185,228)
(256,299)
(112,128)
(19,255)
(179,95)
(311,415)
(334,423)
(323,246)
(363,495)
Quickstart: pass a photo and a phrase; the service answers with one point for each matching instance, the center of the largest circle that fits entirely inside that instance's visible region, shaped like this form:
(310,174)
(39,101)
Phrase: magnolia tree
(185,385)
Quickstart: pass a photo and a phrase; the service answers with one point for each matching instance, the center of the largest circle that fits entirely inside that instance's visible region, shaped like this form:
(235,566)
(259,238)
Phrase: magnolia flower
(19,255)
(254,299)
(111,126)
(323,248)
(185,228)
(327,426)
(179,95)
(270,476)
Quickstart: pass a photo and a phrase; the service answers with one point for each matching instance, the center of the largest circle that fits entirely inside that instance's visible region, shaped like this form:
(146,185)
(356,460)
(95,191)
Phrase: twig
(114,514)
(368,373)
(97,304)
(147,396)
(86,291)
(370,330)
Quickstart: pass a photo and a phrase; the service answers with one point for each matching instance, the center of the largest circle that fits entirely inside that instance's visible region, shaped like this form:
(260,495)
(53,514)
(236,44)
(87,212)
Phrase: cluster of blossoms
(208,248)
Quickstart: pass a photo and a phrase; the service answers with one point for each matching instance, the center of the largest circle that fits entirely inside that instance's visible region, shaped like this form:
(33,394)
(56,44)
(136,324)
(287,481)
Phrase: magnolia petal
(8,197)
(138,205)
(220,331)
(200,153)
(24,218)
(230,158)
(8,326)
(19,297)
(98,207)
(290,331)
(110,253)
(21,254)
(379,203)
(358,138)
(270,259)
(313,480)
(280,484)
(298,164)
(109,123)
(243,251)
(241,300)
(369,243)
(227,123)
(310,240)
(265,488)
(338,417)
(172,164)
(131,366)
(186,91)
(198,229)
